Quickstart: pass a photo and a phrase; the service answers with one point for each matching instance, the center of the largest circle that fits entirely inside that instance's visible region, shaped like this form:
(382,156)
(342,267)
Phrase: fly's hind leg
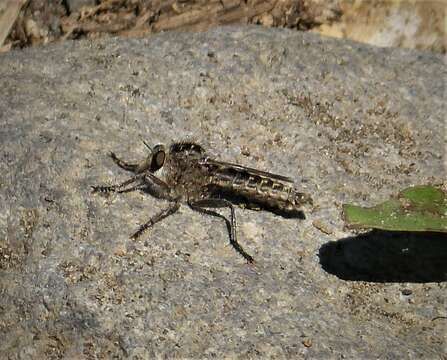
(155,219)
(203,206)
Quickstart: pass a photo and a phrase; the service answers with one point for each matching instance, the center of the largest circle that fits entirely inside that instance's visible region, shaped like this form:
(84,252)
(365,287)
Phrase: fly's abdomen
(260,190)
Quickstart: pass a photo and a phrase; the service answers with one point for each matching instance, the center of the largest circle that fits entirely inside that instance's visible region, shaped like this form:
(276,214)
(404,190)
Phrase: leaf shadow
(387,256)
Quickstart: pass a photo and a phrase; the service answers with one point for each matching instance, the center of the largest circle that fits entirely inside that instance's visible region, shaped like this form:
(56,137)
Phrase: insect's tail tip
(306,199)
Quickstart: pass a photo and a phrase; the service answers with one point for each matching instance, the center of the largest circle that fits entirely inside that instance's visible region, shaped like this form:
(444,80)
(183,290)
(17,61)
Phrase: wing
(246,169)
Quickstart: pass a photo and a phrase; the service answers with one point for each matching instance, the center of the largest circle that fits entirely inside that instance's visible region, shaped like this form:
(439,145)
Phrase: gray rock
(349,122)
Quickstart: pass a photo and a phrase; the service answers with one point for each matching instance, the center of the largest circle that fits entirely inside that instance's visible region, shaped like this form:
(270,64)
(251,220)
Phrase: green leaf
(418,208)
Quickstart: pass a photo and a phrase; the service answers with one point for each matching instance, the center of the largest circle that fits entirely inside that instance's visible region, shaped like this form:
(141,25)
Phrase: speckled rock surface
(350,123)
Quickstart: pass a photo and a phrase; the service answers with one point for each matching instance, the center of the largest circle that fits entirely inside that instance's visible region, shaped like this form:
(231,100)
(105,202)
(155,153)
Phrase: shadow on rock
(387,256)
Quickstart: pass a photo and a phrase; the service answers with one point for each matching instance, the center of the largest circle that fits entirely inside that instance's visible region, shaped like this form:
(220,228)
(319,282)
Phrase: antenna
(145,143)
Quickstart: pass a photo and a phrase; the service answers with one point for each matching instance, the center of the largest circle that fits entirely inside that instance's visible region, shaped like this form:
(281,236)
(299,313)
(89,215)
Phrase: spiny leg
(173,207)
(118,187)
(202,205)
(133,188)
(147,181)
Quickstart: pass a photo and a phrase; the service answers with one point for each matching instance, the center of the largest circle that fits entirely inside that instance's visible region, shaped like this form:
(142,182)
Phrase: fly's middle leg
(145,181)
(118,187)
(155,219)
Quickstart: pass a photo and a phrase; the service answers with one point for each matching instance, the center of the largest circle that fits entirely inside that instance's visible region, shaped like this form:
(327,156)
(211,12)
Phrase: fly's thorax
(183,173)
(183,156)
(186,148)
(170,171)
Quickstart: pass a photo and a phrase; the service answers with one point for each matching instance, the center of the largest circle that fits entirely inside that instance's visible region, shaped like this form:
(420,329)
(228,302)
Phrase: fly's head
(159,155)
(158,158)
(155,159)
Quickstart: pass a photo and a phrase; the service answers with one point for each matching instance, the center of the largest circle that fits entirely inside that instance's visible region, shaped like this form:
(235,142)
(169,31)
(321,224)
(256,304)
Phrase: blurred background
(409,24)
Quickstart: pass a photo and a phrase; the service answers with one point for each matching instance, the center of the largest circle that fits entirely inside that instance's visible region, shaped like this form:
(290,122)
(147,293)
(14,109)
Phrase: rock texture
(351,123)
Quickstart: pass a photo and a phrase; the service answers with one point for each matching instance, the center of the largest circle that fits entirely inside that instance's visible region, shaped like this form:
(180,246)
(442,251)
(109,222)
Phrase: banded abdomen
(254,187)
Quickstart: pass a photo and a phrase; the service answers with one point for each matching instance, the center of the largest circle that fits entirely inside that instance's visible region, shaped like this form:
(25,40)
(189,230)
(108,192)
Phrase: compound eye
(159,159)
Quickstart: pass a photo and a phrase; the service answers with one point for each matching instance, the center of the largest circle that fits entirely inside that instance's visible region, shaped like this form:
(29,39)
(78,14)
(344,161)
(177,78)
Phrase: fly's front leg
(202,205)
(136,168)
(156,218)
(122,164)
(119,187)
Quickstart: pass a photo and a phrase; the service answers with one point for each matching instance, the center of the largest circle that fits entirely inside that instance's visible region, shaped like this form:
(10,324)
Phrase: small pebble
(307,343)
(245,151)
(323,227)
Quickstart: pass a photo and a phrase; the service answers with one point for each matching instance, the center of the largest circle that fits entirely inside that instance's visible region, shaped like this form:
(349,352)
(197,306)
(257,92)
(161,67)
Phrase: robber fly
(190,176)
